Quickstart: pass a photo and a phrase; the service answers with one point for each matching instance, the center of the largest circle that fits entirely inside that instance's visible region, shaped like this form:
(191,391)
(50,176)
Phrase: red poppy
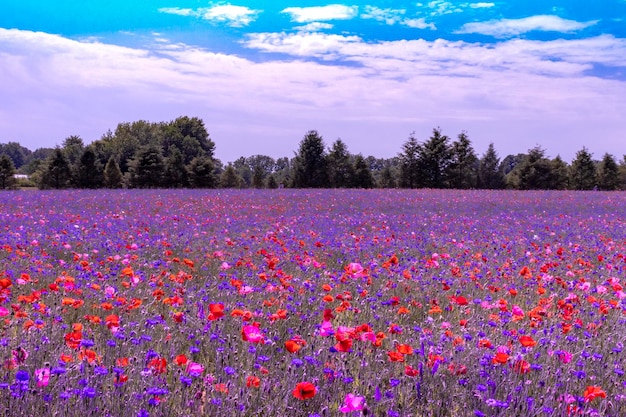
(527,341)
(217,311)
(304,390)
(500,358)
(253,381)
(592,392)
(395,356)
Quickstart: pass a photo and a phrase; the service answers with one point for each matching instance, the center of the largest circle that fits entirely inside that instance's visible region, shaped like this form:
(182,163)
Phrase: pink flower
(194,369)
(355,270)
(565,356)
(251,334)
(352,403)
(326,329)
(42,376)
(3,311)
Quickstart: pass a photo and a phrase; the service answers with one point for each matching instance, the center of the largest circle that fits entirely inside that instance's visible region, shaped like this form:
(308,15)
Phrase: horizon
(261,74)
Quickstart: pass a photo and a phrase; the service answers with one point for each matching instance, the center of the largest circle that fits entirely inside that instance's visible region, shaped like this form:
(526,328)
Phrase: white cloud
(314,27)
(321,13)
(481,5)
(441,7)
(515,90)
(177,11)
(418,23)
(395,16)
(513,27)
(235,16)
(389,16)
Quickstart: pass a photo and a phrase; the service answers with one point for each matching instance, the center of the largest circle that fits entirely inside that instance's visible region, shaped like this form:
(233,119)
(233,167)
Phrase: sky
(261,74)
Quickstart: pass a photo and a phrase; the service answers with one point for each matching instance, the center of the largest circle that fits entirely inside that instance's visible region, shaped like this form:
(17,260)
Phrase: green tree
(193,127)
(18,154)
(89,170)
(387,178)
(583,175)
(56,171)
(362,177)
(202,172)
(560,174)
(608,173)
(230,178)
(310,163)
(622,173)
(534,173)
(175,175)
(410,168)
(435,157)
(112,174)
(463,168)
(146,169)
(7,173)
(271,182)
(340,168)
(489,174)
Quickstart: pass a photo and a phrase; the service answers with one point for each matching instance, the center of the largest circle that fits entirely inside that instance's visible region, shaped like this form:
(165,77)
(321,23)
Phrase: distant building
(20,176)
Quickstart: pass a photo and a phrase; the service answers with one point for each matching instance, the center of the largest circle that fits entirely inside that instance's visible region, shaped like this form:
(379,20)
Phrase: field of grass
(312,303)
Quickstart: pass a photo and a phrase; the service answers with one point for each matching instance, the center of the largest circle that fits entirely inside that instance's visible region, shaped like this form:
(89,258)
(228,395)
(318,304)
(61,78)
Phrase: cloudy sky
(263,73)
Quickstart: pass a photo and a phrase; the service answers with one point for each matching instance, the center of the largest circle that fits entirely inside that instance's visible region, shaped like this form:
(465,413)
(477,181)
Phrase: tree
(362,177)
(463,168)
(202,172)
(193,127)
(608,174)
(622,173)
(56,171)
(489,174)
(387,178)
(18,154)
(534,173)
(89,171)
(560,174)
(146,169)
(310,162)
(583,171)
(435,157)
(261,167)
(230,178)
(175,171)
(340,168)
(112,174)
(410,172)
(7,173)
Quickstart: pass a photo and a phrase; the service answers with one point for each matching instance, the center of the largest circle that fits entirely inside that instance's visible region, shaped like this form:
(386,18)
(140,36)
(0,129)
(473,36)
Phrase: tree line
(180,154)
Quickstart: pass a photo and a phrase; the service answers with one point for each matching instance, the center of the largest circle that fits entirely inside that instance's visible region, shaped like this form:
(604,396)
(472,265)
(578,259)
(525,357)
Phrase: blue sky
(263,73)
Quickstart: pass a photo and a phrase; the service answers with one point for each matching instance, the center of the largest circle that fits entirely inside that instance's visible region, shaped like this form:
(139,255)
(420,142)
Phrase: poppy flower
(216,311)
(500,358)
(352,403)
(253,381)
(592,392)
(251,334)
(527,341)
(304,390)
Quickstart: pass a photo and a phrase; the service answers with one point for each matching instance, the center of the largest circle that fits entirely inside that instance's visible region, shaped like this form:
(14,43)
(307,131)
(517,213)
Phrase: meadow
(312,303)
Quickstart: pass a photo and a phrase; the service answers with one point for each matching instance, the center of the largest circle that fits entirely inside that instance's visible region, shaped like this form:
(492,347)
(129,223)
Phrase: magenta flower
(352,403)
(42,376)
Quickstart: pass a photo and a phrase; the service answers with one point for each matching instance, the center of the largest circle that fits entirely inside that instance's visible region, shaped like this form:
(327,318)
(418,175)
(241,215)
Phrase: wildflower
(216,311)
(251,334)
(42,376)
(592,392)
(253,381)
(527,341)
(304,390)
(352,403)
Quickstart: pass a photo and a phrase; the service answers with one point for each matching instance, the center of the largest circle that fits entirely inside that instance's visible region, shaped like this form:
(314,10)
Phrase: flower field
(312,303)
